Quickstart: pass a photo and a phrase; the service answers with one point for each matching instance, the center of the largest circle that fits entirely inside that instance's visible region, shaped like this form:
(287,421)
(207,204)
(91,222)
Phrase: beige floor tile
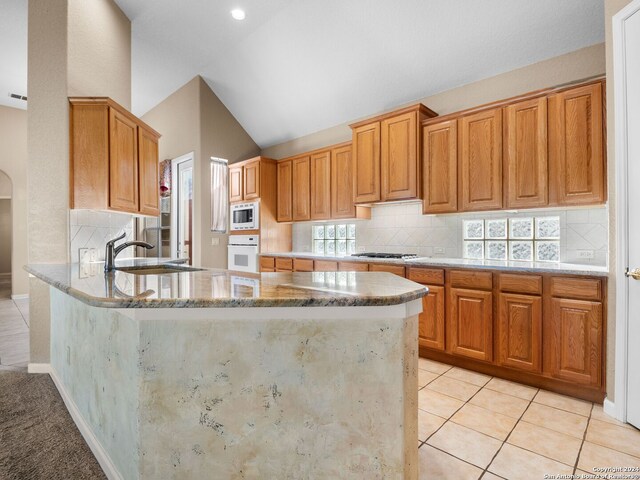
(434,464)
(598,414)
(500,402)
(548,443)
(511,388)
(490,476)
(612,436)
(465,444)
(428,423)
(432,366)
(425,377)
(437,403)
(484,421)
(454,388)
(517,464)
(563,402)
(555,419)
(468,376)
(593,455)
(12,324)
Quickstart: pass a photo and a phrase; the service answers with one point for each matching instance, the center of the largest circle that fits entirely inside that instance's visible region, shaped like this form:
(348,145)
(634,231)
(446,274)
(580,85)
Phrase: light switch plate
(586,254)
(438,250)
(215,241)
(84,255)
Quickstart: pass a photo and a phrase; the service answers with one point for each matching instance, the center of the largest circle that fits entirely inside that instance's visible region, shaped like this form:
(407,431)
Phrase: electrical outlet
(93,254)
(585,254)
(84,255)
(360,249)
(438,250)
(215,241)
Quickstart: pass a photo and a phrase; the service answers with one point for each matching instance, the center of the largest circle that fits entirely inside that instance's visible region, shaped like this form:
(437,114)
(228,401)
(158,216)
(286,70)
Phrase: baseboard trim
(39,368)
(20,296)
(610,409)
(99,452)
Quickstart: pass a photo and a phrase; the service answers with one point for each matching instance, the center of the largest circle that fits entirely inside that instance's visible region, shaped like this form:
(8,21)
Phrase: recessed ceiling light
(238,14)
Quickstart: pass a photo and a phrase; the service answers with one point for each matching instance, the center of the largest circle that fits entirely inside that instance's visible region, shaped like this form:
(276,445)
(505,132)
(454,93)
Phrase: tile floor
(475,426)
(14,332)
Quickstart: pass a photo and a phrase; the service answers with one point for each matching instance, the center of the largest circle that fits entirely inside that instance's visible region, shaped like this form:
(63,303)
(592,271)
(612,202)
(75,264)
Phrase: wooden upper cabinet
(520,331)
(400,170)
(366,163)
(123,164)
(525,150)
(149,185)
(320,179)
(342,205)
(113,158)
(480,150)
(432,319)
(575,341)
(470,323)
(440,167)
(301,183)
(251,180)
(236,183)
(285,200)
(576,151)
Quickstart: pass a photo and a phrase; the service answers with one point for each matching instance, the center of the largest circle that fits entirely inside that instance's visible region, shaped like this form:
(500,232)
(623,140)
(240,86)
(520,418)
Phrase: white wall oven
(245,216)
(243,253)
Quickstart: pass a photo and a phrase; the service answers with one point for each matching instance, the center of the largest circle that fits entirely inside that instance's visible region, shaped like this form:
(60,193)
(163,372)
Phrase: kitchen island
(216,374)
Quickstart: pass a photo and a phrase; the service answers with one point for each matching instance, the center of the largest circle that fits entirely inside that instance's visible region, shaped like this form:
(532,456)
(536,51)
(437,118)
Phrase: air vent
(18,97)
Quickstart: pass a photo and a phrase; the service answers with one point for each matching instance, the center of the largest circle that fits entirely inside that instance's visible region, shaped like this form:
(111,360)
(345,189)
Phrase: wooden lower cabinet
(303,265)
(267,264)
(575,347)
(470,323)
(432,319)
(379,267)
(520,331)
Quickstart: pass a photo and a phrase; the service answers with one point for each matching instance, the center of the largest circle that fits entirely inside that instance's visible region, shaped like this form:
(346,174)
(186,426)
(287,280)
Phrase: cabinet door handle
(635,273)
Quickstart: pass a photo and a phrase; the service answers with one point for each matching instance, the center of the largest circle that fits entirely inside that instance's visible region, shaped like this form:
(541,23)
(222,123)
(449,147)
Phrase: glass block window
(334,240)
(519,238)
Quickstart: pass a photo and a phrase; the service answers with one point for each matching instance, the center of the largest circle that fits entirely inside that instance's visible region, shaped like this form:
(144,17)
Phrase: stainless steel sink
(158,269)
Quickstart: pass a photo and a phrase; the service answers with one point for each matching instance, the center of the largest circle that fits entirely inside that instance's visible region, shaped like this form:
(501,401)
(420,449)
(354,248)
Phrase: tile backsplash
(92,229)
(401,228)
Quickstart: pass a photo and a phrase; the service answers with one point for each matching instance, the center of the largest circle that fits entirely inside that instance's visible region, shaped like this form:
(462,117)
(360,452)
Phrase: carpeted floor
(38,439)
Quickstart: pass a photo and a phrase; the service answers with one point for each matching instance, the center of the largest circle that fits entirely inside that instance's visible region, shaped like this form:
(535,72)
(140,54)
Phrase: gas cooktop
(385,255)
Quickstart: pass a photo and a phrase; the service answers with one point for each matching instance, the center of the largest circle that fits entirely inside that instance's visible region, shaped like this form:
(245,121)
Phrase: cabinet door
(431,320)
(148,163)
(574,343)
(366,163)
(440,167)
(123,163)
(301,181)
(342,205)
(235,183)
(520,331)
(470,323)
(480,150)
(576,156)
(285,213)
(251,180)
(321,186)
(526,176)
(399,158)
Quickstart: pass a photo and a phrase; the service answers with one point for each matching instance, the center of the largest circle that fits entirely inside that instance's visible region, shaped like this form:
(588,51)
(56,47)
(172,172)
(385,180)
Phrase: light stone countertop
(442,262)
(216,288)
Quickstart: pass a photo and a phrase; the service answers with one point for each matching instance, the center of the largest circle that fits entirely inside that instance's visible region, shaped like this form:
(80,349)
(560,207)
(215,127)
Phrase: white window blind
(219,195)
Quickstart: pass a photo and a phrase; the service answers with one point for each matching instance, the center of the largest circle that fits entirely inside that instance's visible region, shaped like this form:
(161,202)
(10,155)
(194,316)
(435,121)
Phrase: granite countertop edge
(337,300)
(523,267)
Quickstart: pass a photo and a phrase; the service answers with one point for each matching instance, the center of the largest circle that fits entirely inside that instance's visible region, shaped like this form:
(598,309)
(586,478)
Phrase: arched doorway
(5,236)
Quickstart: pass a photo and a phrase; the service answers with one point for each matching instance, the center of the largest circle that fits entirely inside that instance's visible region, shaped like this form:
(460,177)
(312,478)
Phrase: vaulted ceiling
(293,67)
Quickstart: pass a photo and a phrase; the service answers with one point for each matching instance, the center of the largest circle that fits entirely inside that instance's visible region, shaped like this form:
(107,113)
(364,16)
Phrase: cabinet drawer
(379,267)
(508,282)
(284,264)
(267,264)
(353,267)
(325,266)
(470,279)
(428,276)
(582,288)
(302,265)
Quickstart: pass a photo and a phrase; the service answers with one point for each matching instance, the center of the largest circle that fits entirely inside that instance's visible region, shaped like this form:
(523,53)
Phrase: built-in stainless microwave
(245,216)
